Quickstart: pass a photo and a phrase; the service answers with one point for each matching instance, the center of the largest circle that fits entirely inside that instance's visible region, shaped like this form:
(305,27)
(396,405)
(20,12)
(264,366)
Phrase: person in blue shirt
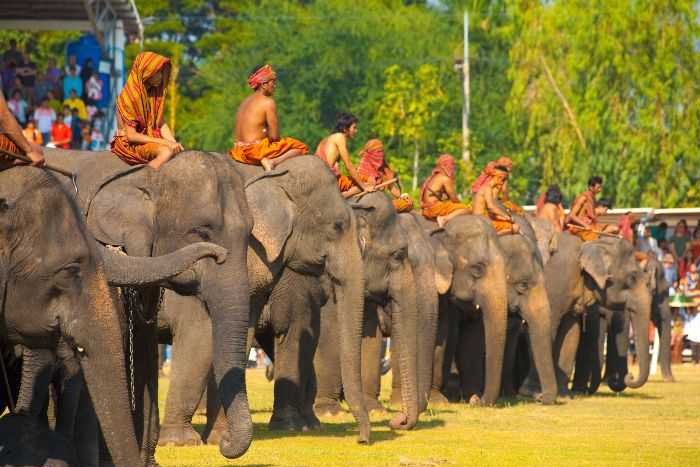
(72,82)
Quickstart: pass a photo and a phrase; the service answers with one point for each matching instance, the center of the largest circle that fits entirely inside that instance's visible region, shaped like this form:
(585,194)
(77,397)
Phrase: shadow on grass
(625,395)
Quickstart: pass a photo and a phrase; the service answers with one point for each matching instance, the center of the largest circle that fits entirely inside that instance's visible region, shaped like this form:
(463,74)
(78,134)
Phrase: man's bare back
(256,119)
(330,147)
(552,213)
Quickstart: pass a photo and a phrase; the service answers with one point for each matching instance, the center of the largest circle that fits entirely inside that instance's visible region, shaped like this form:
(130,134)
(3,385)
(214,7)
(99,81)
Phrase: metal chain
(130,295)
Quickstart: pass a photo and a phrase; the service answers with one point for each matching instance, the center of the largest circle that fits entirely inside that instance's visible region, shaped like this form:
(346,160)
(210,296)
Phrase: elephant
(391,284)
(147,212)
(660,312)
(602,274)
(48,448)
(302,228)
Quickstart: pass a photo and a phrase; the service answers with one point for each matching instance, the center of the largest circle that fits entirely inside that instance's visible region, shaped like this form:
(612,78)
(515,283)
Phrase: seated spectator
(18,107)
(26,72)
(85,136)
(692,278)
(86,72)
(32,133)
(54,103)
(93,89)
(647,243)
(692,331)
(72,82)
(76,130)
(42,87)
(53,74)
(680,239)
(9,77)
(97,140)
(670,271)
(44,117)
(660,232)
(61,135)
(72,62)
(76,104)
(67,115)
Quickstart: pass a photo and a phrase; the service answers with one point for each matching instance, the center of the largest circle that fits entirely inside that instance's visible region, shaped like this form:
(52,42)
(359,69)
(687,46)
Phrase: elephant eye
(478,270)
(399,256)
(68,276)
(522,287)
(204,233)
(631,281)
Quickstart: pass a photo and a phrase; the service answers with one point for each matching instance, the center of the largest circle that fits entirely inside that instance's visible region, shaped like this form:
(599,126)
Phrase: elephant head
(53,288)
(471,270)
(390,281)
(618,283)
(302,221)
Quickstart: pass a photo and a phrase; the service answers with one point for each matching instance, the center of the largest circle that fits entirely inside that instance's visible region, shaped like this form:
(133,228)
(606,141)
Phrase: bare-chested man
(583,220)
(438,198)
(552,209)
(257,133)
(334,148)
(485,199)
(12,140)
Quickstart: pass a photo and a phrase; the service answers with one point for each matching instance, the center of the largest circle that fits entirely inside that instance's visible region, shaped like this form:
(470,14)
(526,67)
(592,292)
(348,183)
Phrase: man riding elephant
(374,170)
(438,200)
(12,140)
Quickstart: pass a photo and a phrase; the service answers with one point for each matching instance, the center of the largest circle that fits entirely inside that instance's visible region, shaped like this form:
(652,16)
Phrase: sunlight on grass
(655,426)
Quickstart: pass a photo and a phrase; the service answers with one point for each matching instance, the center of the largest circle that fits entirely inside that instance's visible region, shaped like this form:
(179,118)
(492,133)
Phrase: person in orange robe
(438,200)
(142,136)
(582,220)
(374,170)
(487,192)
(333,149)
(12,140)
(257,133)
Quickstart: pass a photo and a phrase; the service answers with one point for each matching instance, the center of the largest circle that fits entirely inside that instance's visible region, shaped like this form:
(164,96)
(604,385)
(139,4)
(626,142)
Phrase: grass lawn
(656,426)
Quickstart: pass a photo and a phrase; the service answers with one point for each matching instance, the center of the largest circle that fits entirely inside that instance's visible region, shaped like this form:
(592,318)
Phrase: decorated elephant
(302,227)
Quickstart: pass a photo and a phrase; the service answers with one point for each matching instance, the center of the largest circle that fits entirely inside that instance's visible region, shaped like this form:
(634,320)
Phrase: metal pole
(465,91)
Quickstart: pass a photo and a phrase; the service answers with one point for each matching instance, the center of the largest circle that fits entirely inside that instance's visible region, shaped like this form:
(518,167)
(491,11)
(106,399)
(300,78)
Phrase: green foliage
(41,46)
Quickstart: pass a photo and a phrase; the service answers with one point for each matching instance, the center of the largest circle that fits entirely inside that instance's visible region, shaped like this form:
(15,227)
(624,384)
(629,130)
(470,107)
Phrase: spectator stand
(109,21)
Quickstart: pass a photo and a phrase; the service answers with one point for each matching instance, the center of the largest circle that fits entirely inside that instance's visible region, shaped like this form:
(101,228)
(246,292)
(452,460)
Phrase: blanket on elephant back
(587,233)
(253,153)
(442,208)
(7,144)
(501,225)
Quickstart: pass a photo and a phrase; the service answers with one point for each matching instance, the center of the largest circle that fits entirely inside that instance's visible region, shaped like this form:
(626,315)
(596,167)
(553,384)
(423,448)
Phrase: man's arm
(273,132)
(168,136)
(345,157)
(576,210)
(493,207)
(10,128)
(449,186)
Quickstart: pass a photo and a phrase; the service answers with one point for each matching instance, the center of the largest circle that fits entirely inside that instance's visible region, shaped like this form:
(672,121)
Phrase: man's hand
(405,196)
(37,156)
(175,147)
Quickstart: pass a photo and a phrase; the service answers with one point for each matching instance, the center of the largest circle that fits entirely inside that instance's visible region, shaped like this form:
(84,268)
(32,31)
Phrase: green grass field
(656,426)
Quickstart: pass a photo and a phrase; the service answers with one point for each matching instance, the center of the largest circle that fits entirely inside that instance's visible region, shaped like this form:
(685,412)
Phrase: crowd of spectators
(56,107)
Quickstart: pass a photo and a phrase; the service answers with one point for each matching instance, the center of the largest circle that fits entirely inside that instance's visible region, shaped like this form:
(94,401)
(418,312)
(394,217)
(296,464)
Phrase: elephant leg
(191,359)
(86,427)
(327,364)
(586,353)
(567,342)
(510,354)
(616,357)
(663,325)
(371,358)
(445,344)
(470,358)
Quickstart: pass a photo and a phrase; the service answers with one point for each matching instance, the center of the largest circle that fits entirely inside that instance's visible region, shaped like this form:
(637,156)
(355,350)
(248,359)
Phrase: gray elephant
(48,448)
(302,228)
(391,284)
(603,273)
(194,197)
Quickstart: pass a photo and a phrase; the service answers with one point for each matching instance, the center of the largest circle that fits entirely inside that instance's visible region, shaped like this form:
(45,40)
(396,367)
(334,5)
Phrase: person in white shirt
(44,116)
(692,332)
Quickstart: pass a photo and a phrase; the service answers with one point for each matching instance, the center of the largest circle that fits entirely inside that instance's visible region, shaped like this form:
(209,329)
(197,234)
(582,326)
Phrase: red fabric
(261,76)
(489,170)
(625,226)
(61,131)
(372,162)
(446,165)
(540,202)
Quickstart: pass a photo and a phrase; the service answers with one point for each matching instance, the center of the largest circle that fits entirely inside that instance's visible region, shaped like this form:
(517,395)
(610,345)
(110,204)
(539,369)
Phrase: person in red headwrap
(438,200)
(257,133)
(334,148)
(484,176)
(487,192)
(142,136)
(12,140)
(374,170)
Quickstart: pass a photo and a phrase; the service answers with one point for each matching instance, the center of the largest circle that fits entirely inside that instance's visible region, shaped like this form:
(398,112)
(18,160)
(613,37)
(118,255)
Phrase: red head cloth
(261,76)
(446,165)
(372,161)
(490,169)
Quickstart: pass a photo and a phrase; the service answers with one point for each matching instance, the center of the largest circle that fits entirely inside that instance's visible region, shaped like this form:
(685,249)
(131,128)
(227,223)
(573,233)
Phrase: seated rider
(583,220)
(334,148)
(12,140)
(374,170)
(438,200)
(551,208)
(257,133)
(142,136)
(487,191)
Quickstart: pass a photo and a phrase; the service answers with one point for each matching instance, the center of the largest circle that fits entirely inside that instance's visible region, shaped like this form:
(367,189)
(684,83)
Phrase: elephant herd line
(280,260)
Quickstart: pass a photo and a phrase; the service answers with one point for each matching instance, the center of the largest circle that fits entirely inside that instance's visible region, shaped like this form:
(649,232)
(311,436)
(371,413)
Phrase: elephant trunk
(640,315)
(123,270)
(404,336)
(494,304)
(344,265)
(537,313)
(37,371)
(225,291)
(101,355)
(427,310)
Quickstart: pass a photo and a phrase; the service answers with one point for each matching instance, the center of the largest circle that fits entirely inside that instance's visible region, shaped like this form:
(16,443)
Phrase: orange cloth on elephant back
(445,165)
(502,225)
(253,153)
(141,111)
(442,208)
(403,204)
(7,144)
(585,234)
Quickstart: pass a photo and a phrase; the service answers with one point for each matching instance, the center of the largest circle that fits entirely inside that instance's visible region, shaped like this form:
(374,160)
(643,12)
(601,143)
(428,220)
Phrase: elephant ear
(5,229)
(443,265)
(595,262)
(361,210)
(273,215)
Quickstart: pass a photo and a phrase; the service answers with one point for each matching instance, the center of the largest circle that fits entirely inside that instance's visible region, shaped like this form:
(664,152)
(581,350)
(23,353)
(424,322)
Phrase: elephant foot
(312,421)
(529,389)
(328,408)
(270,372)
(178,435)
(373,405)
(438,399)
(287,420)
(668,378)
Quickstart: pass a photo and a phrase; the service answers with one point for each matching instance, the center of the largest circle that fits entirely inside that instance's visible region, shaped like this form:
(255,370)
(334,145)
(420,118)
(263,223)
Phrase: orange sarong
(7,144)
(586,235)
(501,225)
(442,208)
(134,154)
(403,205)
(253,153)
(344,182)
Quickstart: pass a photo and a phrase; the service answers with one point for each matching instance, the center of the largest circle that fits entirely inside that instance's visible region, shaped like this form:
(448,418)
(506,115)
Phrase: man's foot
(267,164)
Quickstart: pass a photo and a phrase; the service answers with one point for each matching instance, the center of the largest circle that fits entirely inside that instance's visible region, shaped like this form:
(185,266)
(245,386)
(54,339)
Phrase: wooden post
(465,91)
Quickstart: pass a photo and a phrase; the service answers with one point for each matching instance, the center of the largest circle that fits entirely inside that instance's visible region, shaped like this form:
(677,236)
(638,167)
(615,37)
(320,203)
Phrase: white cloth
(692,328)
(44,119)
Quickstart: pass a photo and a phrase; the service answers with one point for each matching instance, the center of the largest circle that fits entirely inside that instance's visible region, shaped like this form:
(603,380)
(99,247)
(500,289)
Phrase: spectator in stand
(26,72)
(93,89)
(76,104)
(18,107)
(661,232)
(72,62)
(13,55)
(67,115)
(86,72)
(625,226)
(670,270)
(54,103)
(45,116)
(32,133)
(53,74)
(692,278)
(694,245)
(72,82)
(680,239)
(692,331)
(85,136)
(97,140)
(647,243)
(9,77)
(76,131)
(61,134)
(42,87)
